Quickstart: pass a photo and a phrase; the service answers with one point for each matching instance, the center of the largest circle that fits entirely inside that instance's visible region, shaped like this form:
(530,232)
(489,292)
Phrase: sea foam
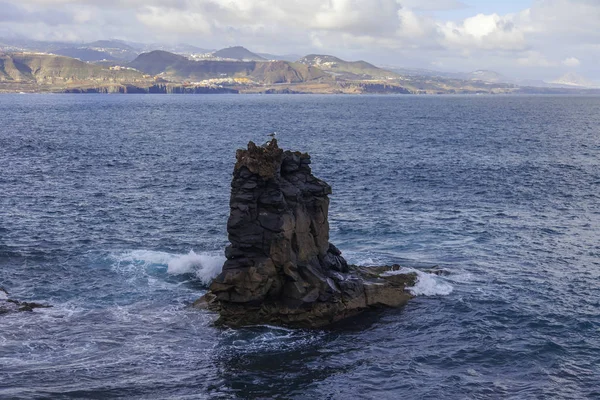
(204,265)
(427,284)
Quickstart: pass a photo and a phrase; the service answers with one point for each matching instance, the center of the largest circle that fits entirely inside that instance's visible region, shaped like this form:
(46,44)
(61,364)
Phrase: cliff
(281,268)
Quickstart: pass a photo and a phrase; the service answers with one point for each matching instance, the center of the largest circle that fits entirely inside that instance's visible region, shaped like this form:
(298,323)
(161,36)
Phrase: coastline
(174,88)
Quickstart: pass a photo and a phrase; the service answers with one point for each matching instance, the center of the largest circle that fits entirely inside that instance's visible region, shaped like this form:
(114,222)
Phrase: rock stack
(281,268)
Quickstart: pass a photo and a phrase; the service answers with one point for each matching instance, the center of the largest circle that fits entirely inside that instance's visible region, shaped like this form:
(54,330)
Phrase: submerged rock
(8,305)
(281,268)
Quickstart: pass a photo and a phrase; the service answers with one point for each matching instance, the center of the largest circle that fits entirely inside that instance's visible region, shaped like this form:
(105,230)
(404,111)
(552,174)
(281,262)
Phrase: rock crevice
(281,268)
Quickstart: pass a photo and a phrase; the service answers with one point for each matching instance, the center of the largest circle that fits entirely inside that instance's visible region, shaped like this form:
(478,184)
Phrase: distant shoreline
(560,92)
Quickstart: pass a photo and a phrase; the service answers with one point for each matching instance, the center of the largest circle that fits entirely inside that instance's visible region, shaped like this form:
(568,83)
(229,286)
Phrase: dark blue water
(113,209)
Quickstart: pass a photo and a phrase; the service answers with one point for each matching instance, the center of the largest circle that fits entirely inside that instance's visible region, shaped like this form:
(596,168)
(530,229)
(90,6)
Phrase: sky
(527,39)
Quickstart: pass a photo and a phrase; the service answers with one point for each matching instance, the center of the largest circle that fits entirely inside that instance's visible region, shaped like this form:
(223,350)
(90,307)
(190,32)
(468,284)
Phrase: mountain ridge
(160,71)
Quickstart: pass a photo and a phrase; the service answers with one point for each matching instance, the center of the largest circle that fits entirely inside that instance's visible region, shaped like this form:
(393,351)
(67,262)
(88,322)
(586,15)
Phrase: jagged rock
(281,268)
(8,305)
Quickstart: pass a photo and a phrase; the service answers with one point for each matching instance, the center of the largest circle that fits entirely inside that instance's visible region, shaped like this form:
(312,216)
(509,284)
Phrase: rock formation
(281,268)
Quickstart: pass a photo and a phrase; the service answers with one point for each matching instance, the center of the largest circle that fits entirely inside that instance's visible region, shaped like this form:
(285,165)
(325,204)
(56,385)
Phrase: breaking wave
(205,266)
(427,284)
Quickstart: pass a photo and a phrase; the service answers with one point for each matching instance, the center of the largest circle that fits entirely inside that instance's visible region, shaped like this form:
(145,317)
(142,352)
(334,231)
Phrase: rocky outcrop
(281,268)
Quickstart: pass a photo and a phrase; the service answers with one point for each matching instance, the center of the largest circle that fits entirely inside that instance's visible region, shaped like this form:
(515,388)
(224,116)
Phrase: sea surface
(113,210)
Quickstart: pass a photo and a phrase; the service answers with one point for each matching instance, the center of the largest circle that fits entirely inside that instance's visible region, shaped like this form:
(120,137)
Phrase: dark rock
(281,268)
(9,305)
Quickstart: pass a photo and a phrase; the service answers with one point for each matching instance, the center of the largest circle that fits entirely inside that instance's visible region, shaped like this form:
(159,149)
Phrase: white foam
(426,285)
(204,265)
(363,258)
(3,296)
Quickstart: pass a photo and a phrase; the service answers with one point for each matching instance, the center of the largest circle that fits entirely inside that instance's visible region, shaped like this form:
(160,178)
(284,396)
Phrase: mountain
(488,76)
(116,49)
(84,54)
(238,53)
(346,69)
(175,67)
(165,72)
(187,49)
(479,75)
(111,44)
(158,61)
(34,73)
(52,69)
(19,44)
(94,51)
(284,57)
(181,49)
(573,79)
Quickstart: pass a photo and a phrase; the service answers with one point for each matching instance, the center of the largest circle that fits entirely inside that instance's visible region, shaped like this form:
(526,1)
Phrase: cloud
(490,32)
(571,62)
(14,13)
(433,5)
(550,35)
(535,59)
(174,21)
(358,17)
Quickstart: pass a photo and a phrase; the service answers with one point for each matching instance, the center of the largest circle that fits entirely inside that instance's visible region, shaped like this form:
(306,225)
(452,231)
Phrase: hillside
(488,76)
(175,67)
(52,72)
(158,61)
(111,44)
(84,54)
(14,71)
(238,53)
(165,72)
(346,69)
(574,80)
(285,72)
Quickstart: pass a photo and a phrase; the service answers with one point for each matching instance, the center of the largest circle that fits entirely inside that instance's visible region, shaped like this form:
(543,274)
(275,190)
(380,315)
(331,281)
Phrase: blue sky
(490,7)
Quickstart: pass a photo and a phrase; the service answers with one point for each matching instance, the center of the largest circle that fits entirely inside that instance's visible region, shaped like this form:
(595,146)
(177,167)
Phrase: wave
(426,285)
(205,266)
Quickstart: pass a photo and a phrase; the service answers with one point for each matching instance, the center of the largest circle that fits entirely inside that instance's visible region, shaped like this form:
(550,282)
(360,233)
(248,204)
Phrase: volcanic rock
(281,268)
(9,305)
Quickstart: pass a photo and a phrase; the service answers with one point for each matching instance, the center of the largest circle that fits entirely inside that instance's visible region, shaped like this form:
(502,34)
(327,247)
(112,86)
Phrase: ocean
(113,210)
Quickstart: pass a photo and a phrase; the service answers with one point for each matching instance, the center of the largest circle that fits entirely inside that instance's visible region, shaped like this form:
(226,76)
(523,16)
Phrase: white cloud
(551,35)
(535,59)
(433,5)
(491,32)
(571,62)
(174,21)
